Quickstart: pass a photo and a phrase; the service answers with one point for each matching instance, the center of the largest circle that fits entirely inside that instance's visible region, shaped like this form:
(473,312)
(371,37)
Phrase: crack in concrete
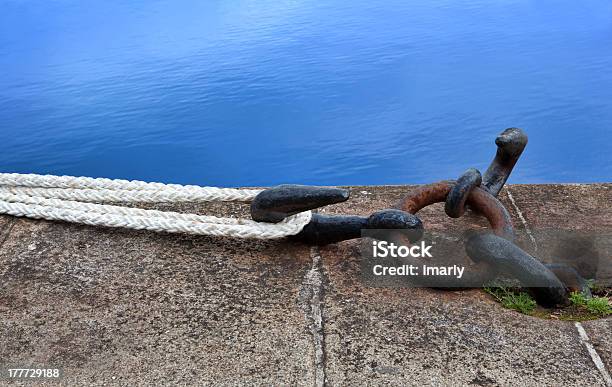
(7,231)
(584,339)
(522,218)
(582,335)
(311,300)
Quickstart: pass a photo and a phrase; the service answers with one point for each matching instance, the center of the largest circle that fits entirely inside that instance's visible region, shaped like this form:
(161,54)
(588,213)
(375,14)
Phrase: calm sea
(264,92)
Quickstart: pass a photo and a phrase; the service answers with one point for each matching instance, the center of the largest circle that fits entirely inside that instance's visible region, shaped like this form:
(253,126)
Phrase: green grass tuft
(599,306)
(510,299)
(581,308)
(578,299)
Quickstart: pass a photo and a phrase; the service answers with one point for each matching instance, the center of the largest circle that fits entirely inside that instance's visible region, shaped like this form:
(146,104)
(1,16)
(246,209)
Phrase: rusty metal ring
(458,195)
(479,200)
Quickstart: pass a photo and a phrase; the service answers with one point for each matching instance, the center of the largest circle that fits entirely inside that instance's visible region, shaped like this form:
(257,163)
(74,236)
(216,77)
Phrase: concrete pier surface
(121,307)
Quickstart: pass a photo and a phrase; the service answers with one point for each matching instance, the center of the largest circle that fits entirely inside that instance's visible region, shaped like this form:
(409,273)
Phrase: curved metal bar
(510,145)
(547,289)
(458,195)
(325,229)
(478,199)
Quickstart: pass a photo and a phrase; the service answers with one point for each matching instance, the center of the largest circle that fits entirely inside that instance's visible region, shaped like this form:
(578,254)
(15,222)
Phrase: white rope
(92,190)
(172,195)
(72,199)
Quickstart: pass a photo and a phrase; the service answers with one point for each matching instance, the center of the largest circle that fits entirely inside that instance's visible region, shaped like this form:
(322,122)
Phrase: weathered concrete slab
(139,308)
(120,307)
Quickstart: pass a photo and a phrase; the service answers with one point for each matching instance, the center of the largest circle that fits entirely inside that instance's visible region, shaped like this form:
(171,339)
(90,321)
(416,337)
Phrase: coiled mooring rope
(77,200)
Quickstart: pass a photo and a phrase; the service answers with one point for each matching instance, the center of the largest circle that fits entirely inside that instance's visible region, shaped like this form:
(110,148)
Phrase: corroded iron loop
(547,289)
(458,195)
(510,145)
(478,199)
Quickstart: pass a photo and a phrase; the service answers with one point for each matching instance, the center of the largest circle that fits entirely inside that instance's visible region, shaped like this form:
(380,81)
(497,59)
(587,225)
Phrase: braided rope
(100,189)
(73,199)
(170,195)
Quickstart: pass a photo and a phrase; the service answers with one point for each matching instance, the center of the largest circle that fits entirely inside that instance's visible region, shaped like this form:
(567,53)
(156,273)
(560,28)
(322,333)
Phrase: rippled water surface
(328,92)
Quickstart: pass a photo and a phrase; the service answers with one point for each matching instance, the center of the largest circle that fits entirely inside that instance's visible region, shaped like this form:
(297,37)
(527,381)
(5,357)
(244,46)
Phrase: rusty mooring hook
(277,203)
(497,249)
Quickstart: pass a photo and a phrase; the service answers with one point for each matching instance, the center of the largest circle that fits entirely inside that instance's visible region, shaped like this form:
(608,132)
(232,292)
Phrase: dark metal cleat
(510,145)
(325,229)
(277,203)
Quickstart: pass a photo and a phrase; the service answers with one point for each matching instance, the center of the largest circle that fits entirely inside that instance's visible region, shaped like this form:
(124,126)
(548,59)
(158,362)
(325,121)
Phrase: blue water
(264,92)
